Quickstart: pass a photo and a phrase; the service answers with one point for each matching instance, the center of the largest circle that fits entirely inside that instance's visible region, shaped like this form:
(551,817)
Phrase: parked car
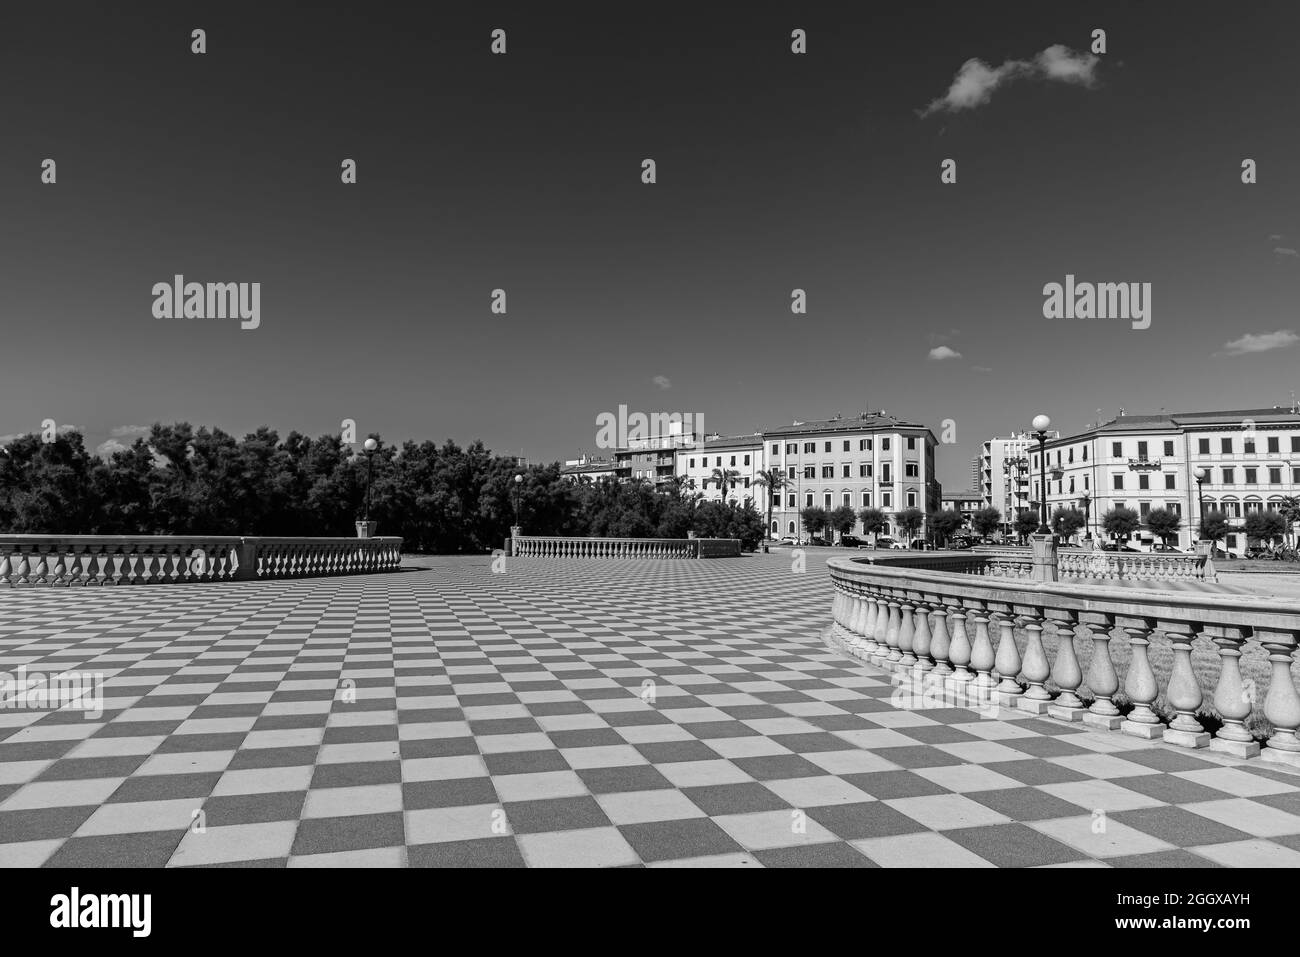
(784,541)
(1167,549)
(898,545)
(884,541)
(1112,547)
(964,544)
(922,547)
(851,541)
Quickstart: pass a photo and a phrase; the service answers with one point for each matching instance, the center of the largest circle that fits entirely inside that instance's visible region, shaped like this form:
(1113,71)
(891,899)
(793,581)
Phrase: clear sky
(523,172)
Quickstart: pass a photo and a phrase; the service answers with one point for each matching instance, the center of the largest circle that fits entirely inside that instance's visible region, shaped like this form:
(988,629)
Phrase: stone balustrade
(1069,563)
(166,559)
(954,634)
(538,546)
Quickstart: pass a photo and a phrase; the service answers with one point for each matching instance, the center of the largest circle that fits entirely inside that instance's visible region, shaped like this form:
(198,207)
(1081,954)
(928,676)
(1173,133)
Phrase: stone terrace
(564,712)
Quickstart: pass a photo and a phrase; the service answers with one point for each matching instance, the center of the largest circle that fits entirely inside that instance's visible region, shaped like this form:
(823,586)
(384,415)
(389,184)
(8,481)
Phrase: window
(1085,483)
(866,500)
(1252,476)
(847,498)
(887,499)
(1169,448)
(911,471)
(846,445)
(1295,475)
(1085,453)
(1116,449)
(810,448)
(1071,483)
(1144,509)
(1203,446)
(733,461)
(1250,446)
(1225,446)
(884,444)
(809,499)
(1144,481)
(828,471)
(1274,476)
(1142,451)
(864,471)
(1071,456)
(791,528)
(746,459)
(1118,481)
(847,472)
(692,463)
(1295,443)
(911,443)
(809,471)
(1229,476)
(718,463)
(733,484)
(828,446)
(886,472)
(864,445)
(775,525)
(1175,507)
(790,500)
(1169,481)
(776,450)
(1273,445)
(911,500)
(790,471)
(827,500)
(791,448)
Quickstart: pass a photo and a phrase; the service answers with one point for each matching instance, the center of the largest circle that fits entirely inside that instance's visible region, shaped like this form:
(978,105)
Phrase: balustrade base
(1034,705)
(1187,739)
(1240,749)
(1139,730)
(1063,713)
(1104,722)
(1008,699)
(1278,756)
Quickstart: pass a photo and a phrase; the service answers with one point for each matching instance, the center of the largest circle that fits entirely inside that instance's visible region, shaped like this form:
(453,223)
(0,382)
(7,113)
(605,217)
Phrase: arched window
(791,528)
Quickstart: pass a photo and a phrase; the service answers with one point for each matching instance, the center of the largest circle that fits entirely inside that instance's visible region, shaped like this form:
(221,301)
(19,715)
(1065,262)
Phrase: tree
(1267,526)
(944,524)
(1025,524)
(773,480)
(1214,526)
(1289,509)
(1120,522)
(721,478)
(814,518)
(1163,523)
(1066,522)
(1086,501)
(986,521)
(909,522)
(842,519)
(873,522)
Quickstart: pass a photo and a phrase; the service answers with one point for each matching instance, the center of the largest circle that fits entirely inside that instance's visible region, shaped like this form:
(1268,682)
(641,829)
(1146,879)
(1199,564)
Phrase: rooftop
(865,422)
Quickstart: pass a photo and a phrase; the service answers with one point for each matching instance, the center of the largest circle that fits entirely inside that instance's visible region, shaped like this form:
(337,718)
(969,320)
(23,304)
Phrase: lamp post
(1040,424)
(365,527)
(518,481)
(1201,475)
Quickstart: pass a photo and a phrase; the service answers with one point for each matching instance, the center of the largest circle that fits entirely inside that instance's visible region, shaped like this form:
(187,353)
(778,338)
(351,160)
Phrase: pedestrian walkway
(562,712)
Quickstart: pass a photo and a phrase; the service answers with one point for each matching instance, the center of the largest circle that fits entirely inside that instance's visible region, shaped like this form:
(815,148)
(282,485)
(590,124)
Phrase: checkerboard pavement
(566,712)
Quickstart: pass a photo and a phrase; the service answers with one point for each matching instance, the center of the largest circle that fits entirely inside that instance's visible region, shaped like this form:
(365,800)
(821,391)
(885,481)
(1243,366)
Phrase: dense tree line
(440,498)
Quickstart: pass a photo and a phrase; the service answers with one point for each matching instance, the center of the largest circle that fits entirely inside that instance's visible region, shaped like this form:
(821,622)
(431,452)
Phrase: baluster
(1034,669)
(59,572)
(1066,672)
(881,654)
(42,565)
(959,648)
(24,566)
(981,652)
(1232,702)
(868,645)
(891,635)
(6,569)
(921,639)
(1102,680)
(906,632)
(1281,704)
(1140,686)
(1007,663)
(939,640)
(1184,691)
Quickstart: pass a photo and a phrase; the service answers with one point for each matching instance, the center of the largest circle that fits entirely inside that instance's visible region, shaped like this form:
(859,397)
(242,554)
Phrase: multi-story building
(742,454)
(1251,460)
(966,504)
(873,460)
(591,468)
(652,459)
(1004,473)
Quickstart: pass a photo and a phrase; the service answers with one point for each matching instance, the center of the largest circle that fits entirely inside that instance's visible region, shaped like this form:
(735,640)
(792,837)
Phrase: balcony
(1143,464)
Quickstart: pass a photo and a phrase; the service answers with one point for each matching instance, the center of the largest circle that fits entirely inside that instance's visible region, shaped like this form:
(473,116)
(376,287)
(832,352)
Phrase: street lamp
(370,446)
(518,481)
(1201,475)
(1040,424)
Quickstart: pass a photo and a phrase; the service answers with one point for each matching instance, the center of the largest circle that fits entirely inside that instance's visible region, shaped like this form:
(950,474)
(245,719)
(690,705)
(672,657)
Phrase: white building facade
(1251,460)
(741,454)
(1004,473)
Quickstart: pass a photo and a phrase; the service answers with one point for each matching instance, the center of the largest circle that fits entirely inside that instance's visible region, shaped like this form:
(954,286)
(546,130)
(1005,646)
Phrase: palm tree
(1289,509)
(773,480)
(721,477)
(1086,501)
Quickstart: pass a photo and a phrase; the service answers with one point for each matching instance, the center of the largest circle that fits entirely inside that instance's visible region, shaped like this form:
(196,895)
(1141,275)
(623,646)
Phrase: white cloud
(1275,237)
(980,369)
(1264,342)
(105,450)
(132,430)
(662,381)
(944,352)
(976,81)
(1286,251)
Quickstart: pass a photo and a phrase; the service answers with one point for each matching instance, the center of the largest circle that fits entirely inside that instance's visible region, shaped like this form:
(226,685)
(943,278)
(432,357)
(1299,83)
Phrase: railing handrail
(1218,610)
